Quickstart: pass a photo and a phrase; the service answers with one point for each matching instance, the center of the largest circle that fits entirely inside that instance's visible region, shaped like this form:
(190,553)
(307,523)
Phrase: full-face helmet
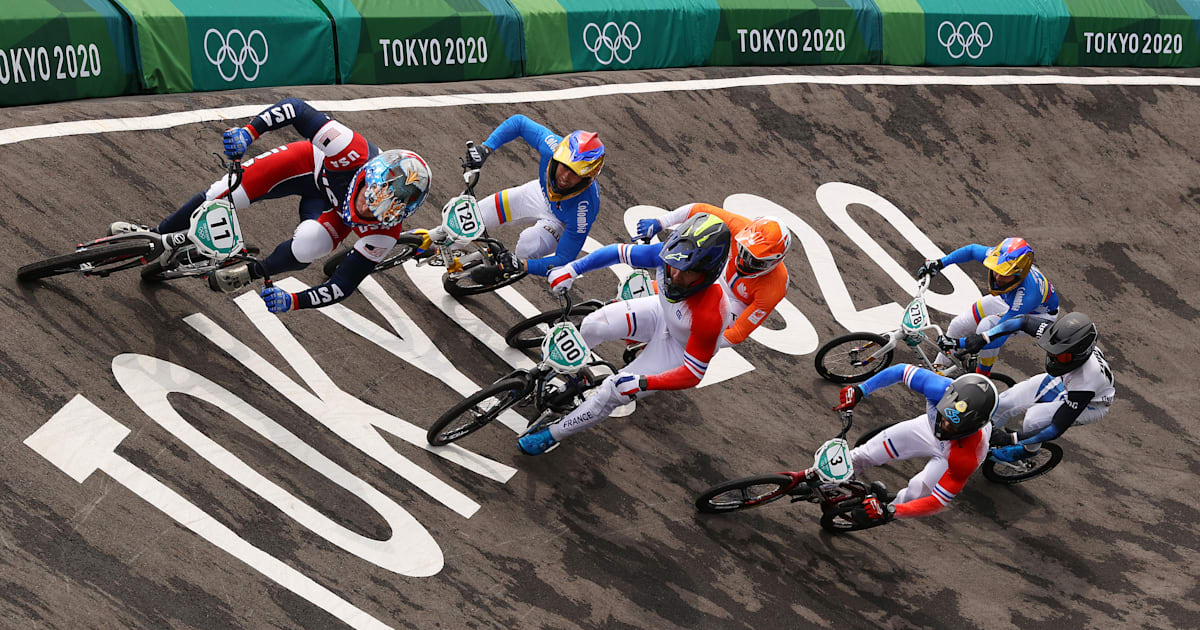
(582,153)
(761,245)
(967,405)
(1068,343)
(700,244)
(1013,258)
(395,184)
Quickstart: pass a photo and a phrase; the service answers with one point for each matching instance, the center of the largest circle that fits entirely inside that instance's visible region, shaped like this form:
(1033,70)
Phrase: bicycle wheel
(1002,379)
(839,521)
(743,493)
(90,259)
(845,359)
(866,437)
(529,333)
(1042,462)
(459,284)
(477,410)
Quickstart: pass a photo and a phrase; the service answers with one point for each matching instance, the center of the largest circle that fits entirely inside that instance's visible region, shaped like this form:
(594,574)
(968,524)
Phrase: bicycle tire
(514,389)
(1025,469)
(1003,379)
(839,521)
(460,284)
(837,375)
(866,437)
(525,334)
(772,488)
(97,256)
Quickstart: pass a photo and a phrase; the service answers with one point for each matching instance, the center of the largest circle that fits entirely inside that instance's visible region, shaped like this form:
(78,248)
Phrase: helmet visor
(1062,357)
(748,264)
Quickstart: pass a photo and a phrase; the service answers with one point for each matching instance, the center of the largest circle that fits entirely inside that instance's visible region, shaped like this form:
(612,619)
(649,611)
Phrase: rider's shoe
(230,279)
(536,443)
(125,227)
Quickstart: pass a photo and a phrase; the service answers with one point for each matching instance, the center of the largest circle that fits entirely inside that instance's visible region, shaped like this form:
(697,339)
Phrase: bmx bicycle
(857,356)
(460,244)
(554,387)
(829,483)
(213,240)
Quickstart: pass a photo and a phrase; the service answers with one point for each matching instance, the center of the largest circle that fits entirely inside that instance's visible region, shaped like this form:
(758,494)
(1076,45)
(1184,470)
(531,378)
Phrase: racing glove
(974,342)
(647,228)
(629,384)
(560,278)
(1002,437)
(236,140)
(873,512)
(849,397)
(930,268)
(477,154)
(278,300)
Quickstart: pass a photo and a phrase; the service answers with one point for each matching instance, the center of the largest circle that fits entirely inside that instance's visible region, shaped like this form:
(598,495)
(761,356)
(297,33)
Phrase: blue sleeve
(644,256)
(290,111)
(1064,417)
(341,284)
(520,126)
(920,380)
(966,253)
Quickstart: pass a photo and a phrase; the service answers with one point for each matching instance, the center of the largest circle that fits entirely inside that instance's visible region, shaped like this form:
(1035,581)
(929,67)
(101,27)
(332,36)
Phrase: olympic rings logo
(226,53)
(612,42)
(965,39)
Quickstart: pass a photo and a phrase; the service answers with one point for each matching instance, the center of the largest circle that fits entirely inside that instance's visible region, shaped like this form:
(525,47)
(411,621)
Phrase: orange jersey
(751,299)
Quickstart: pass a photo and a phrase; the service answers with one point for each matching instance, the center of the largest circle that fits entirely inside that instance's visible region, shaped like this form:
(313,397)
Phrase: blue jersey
(1034,295)
(929,384)
(577,213)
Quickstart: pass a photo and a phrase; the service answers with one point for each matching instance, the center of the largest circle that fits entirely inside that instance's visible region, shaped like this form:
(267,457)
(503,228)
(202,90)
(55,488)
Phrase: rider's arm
(1068,411)
(961,461)
(966,253)
(344,149)
(575,232)
(341,284)
(520,126)
(766,293)
(643,256)
(707,320)
(930,384)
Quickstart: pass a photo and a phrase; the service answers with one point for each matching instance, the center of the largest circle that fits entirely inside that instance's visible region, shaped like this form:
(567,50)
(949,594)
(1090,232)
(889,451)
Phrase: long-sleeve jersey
(1034,295)
(752,298)
(1089,384)
(963,456)
(696,322)
(337,155)
(577,213)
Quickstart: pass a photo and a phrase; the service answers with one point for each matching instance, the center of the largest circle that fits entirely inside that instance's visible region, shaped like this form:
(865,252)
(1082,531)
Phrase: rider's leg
(285,170)
(637,320)
(539,240)
(522,203)
(905,440)
(1017,399)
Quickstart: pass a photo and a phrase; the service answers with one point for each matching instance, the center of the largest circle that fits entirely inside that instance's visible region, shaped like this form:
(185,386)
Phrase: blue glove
(236,140)
(629,384)
(278,300)
(1010,454)
(647,228)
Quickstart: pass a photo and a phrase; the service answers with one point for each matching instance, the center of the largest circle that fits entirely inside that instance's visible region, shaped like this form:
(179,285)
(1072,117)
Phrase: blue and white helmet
(395,184)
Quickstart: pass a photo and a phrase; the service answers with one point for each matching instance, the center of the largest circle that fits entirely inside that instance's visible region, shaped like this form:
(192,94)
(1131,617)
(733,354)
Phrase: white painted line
(165,121)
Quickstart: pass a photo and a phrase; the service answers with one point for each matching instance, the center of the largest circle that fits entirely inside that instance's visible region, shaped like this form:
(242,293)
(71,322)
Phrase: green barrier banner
(583,35)
(198,45)
(408,41)
(57,50)
(1146,33)
(972,32)
(797,32)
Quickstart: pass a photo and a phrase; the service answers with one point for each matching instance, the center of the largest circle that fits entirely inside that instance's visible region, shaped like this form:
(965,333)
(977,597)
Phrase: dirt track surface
(601,533)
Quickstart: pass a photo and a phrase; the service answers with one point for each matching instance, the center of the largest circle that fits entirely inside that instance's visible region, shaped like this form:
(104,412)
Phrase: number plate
(916,316)
(637,284)
(215,230)
(564,349)
(461,218)
(833,462)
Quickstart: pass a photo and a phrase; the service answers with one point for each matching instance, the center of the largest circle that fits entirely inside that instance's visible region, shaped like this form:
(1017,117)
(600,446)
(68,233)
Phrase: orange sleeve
(735,221)
(962,460)
(766,292)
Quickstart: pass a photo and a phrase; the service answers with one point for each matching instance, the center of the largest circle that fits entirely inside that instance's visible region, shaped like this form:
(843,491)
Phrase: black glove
(975,342)
(930,268)
(477,154)
(508,262)
(947,343)
(1002,437)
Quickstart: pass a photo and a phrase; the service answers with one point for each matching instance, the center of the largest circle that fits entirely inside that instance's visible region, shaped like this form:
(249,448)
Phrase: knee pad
(311,241)
(597,327)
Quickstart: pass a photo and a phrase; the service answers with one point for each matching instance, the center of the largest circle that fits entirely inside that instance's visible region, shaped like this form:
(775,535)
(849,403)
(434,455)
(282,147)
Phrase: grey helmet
(1068,343)
(967,405)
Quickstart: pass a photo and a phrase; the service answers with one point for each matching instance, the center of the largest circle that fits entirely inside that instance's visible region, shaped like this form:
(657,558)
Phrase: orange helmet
(762,245)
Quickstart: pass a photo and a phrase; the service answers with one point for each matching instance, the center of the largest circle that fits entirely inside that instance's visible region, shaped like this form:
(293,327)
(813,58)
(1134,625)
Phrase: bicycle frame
(915,330)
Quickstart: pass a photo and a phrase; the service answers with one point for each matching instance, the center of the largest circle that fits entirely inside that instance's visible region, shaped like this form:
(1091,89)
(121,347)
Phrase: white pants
(639,319)
(906,440)
(523,205)
(1039,398)
(980,318)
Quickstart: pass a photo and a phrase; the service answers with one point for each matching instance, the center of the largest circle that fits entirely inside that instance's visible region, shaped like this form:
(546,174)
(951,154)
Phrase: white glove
(560,278)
